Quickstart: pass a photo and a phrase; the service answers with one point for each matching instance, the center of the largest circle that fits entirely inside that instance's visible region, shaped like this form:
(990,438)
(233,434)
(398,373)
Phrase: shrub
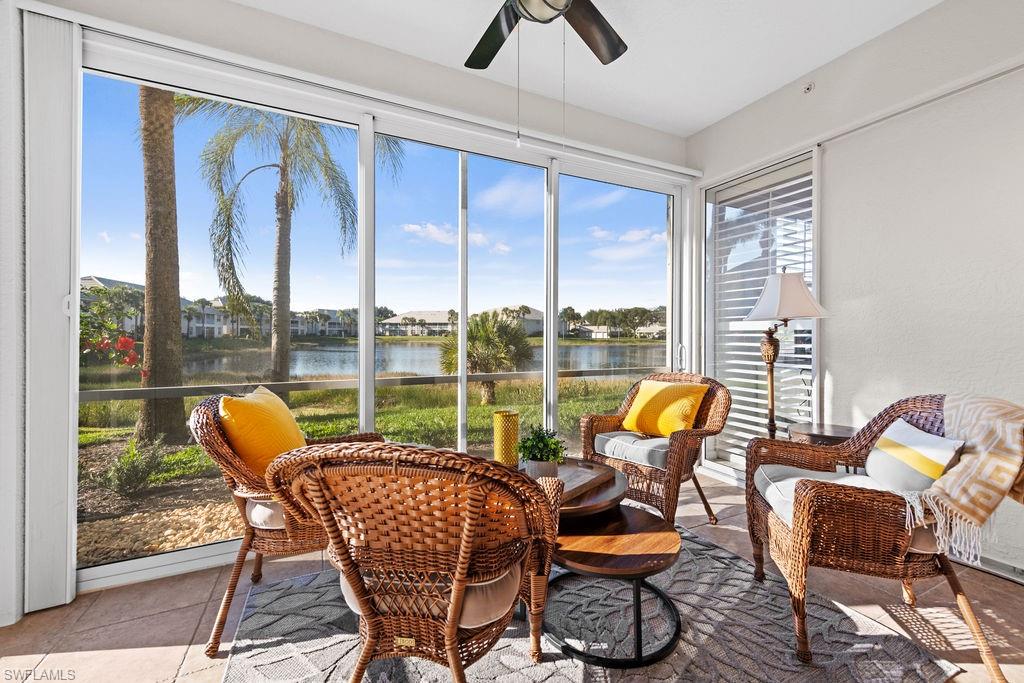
(130,474)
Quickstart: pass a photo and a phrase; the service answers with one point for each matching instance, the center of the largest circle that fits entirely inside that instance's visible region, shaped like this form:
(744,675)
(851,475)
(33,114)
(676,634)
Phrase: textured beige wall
(922,217)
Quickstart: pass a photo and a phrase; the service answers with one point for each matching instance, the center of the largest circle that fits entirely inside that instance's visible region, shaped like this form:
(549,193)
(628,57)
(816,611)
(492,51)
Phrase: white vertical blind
(756,226)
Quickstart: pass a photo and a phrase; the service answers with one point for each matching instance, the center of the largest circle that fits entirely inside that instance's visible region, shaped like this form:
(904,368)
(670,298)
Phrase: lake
(414,358)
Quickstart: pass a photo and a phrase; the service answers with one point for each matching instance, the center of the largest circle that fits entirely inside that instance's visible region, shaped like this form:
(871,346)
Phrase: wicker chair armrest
(850,521)
(597,424)
(361,437)
(802,455)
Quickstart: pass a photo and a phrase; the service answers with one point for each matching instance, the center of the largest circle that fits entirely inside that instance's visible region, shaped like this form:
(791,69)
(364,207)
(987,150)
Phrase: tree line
(626,320)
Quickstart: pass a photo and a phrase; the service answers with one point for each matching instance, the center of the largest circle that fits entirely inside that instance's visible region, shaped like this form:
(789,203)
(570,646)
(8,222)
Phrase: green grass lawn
(413,414)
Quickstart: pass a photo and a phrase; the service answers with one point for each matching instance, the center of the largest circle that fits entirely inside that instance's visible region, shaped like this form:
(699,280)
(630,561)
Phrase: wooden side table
(820,434)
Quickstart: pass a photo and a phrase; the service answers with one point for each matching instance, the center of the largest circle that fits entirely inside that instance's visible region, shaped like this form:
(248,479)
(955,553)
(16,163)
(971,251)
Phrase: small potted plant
(542,451)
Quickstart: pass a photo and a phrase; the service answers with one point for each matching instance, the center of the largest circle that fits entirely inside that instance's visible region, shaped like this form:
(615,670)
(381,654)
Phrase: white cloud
(599,201)
(660,237)
(635,235)
(500,248)
(442,234)
(135,235)
(514,194)
(478,239)
(618,253)
(600,234)
(105,236)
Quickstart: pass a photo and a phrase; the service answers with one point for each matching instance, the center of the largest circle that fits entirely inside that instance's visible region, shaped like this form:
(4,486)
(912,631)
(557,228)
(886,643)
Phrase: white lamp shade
(786,297)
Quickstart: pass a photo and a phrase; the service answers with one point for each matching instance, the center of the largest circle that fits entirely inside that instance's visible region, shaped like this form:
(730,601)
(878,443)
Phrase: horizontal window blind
(755,227)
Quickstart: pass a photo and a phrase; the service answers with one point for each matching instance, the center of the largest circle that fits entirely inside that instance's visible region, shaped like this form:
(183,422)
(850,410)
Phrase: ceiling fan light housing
(540,11)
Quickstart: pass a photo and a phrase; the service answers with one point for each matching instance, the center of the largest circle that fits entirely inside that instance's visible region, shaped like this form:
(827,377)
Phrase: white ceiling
(689,63)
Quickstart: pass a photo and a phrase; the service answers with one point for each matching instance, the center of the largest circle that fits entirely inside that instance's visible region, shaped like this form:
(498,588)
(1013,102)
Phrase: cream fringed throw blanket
(990,468)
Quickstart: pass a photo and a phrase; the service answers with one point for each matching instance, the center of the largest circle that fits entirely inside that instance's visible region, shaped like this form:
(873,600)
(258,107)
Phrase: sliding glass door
(216,254)
(613,295)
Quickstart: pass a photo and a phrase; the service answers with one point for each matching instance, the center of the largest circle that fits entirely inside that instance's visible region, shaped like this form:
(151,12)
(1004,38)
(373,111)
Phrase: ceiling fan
(582,16)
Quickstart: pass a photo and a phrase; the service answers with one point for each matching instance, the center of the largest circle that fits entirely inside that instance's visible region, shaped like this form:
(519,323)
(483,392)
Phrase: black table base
(639,658)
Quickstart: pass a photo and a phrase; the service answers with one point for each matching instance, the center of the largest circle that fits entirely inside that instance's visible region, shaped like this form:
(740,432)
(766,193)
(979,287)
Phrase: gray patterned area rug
(734,629)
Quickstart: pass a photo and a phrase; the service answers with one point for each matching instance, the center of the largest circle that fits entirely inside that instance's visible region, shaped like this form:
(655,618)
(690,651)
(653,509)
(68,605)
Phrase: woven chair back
(208,433)
(408,523)
(714,408)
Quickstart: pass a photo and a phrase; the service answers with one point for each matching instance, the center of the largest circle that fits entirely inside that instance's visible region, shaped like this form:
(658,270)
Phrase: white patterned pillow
(906,458)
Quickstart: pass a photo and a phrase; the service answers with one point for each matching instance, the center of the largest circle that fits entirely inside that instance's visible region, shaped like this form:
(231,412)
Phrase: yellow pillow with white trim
(259,427)
(664,407)
(906,458)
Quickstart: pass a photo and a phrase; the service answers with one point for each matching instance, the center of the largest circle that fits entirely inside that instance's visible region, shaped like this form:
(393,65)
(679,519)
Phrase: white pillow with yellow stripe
(906,458)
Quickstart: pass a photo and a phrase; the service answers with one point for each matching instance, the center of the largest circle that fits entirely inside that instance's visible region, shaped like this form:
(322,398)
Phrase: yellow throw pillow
(259,427)
(664,407)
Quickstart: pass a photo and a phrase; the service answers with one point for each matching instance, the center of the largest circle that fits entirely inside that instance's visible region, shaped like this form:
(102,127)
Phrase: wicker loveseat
(269,528)
(655,480)
(831,524)
(435,547)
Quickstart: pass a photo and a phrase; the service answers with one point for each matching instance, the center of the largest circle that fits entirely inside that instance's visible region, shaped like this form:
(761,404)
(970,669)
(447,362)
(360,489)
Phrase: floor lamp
(785,297)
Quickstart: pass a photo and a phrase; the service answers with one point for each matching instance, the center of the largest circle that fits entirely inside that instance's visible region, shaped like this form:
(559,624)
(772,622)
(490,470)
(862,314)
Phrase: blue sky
(612,239)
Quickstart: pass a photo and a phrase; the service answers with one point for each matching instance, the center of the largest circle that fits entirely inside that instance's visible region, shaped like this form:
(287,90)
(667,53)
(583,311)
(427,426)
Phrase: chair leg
(257,568)
(909,599)
(365,655)
(538,598)
(803,648)
(455,667)
(987,656)
(712,519)
(758,550)
(213,645)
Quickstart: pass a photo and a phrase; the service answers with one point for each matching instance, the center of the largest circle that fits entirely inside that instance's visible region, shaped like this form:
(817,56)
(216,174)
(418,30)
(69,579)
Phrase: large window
(244,222)
(613,295)
(219,251)
(757,226)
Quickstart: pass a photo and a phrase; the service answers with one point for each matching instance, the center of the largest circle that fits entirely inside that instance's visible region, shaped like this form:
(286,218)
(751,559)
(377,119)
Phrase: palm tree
(161,363)
(203,304)
(494,343)
(191,313)
(299,151)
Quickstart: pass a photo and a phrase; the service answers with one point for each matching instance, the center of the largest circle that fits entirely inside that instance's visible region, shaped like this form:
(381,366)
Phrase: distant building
(655,331)
(597,332)
(533,321)
(416,324)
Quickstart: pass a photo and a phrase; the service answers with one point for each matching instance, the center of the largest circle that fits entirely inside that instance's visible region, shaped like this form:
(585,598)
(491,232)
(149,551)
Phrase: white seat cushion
(634,447)
(264,514)
(482,603)
(777,485)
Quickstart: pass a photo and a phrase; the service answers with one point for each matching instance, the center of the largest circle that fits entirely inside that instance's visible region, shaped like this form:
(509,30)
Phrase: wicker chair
(300,534)
(413,530)
(842,527)
(658,486)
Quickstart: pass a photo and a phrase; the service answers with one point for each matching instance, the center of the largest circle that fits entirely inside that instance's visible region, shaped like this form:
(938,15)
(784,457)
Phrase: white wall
(246,31)
(921,217)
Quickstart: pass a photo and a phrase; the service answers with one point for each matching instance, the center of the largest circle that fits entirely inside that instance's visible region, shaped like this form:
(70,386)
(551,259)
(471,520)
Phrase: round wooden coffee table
(603,497)
(626,543)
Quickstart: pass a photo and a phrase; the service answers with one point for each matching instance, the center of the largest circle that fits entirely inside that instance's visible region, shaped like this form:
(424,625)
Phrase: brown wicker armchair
(417,534)
(292,534)
(844,527)
(659,486)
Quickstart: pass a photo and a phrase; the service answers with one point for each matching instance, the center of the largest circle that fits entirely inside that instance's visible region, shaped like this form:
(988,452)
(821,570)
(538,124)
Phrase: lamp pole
(769,354)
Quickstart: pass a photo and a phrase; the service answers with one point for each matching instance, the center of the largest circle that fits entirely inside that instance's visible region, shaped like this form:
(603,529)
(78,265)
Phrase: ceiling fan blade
(493,38)
(595,31)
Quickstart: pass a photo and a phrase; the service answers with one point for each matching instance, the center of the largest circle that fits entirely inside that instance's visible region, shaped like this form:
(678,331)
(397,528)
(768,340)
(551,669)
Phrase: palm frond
(390,153)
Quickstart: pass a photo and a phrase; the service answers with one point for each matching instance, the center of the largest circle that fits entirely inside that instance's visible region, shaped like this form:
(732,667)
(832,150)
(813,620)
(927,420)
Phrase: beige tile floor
(157,631)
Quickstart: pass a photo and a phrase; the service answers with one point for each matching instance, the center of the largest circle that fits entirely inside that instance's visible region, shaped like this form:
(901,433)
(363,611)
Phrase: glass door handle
(680,356)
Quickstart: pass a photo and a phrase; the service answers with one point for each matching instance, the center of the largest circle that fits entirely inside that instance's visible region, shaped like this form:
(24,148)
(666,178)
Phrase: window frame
(701,191)
(143,57)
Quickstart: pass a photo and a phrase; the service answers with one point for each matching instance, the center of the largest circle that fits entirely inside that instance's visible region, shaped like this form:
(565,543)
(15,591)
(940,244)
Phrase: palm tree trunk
(161,342)
(487,393)
(280,321)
